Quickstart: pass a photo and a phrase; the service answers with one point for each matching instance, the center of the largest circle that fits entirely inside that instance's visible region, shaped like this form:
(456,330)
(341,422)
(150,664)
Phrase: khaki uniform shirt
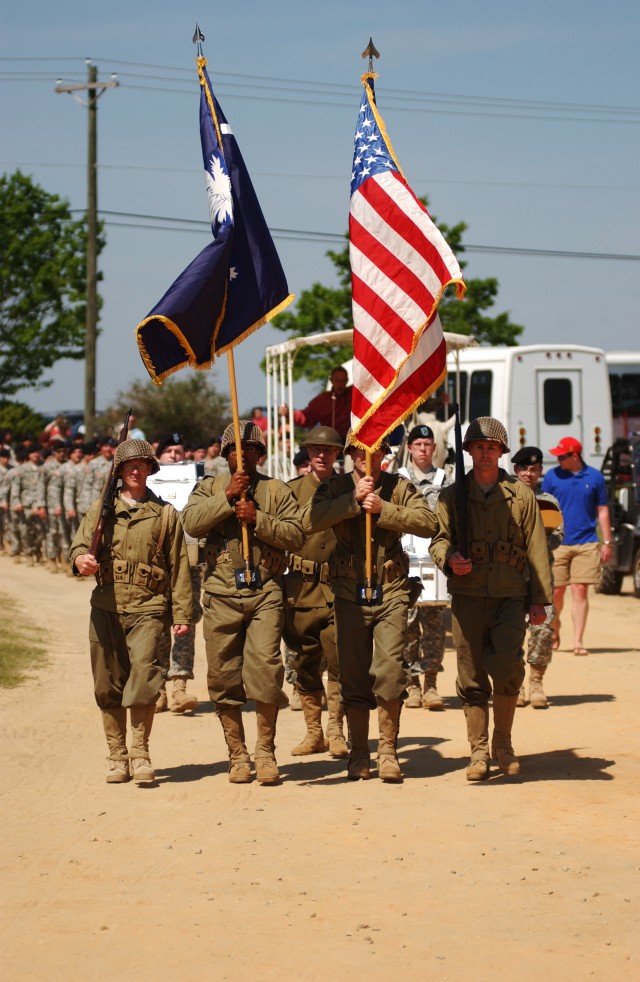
(277,530)
(128,549)
(403,510)
(506,538)
(306,583)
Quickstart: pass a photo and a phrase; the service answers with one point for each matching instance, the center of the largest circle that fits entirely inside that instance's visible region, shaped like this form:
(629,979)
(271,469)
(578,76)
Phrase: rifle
(108,495)
(461,490)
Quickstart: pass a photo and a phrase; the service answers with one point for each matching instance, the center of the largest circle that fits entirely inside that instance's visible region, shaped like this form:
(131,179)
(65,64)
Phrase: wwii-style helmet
(135,450)
(322,436)
(486,428)
(249,433)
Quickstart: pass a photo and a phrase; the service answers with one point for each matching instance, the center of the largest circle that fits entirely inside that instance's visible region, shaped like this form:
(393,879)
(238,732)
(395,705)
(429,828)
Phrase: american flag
(400,267)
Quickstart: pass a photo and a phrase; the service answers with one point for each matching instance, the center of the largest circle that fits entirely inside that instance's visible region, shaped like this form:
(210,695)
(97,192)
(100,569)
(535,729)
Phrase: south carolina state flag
(236,284)
(400,267)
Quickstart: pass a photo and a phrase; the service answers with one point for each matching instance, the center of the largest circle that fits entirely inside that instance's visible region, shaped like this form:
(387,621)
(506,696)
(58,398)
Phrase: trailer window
(480,394)
(451,390)
(625,393)
(558,401)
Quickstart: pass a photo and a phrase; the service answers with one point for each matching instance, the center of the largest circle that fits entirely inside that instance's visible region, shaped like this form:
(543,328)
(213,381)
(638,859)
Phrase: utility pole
(94,90)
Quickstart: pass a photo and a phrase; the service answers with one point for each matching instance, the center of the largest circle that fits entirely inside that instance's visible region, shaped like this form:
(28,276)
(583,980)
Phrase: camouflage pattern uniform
(540,647)
(73,476)
(5,511)
(97,473)
(58,540)
(177,659)
(26,488)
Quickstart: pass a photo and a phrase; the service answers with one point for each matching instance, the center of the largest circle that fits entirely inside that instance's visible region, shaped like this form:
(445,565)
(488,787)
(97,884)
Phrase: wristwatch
(606,542)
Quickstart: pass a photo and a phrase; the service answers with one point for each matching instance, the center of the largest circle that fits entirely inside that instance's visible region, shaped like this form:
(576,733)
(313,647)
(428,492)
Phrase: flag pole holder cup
(369,594)
(248,578)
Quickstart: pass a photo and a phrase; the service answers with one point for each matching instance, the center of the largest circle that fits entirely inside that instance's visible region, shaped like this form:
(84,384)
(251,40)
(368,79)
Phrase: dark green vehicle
(621,471)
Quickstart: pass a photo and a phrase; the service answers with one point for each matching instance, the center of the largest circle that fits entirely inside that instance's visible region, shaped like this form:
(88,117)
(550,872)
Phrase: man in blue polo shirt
(582,494)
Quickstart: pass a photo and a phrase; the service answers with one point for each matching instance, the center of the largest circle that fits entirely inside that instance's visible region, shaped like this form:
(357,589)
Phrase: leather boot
(181,700)
(162,703)
(313,742)
(478,734)
(233,729)
(522,697)
(335,735)
(141,723)
(359,768)
(414,694)
(537,696)
(266,767)
(504,708)
(431,698)
(114,722)
(389,727)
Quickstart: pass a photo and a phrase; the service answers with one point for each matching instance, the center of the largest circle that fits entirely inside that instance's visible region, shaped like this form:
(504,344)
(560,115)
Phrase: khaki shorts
(577,564)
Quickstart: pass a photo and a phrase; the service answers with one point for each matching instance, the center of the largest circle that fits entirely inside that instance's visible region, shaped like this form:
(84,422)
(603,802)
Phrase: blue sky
(522,120)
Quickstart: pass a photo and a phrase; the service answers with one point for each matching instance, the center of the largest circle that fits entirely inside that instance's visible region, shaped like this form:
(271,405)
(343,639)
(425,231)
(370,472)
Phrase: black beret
(527,455)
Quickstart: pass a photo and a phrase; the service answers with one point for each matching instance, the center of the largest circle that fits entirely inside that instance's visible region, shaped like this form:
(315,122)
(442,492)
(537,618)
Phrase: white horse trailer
(624,380)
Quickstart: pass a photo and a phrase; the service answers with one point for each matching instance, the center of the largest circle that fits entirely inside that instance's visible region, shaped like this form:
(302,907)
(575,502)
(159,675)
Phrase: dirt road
(320,878)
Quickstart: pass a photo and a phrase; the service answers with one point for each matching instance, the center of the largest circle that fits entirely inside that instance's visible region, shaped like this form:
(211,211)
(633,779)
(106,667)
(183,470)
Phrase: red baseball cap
(568,444)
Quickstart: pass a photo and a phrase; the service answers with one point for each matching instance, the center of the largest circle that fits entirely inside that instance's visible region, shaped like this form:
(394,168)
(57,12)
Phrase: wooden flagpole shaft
(235,415)
(368,526)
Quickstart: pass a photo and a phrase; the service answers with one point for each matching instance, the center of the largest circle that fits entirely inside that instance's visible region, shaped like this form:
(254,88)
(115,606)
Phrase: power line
(196,225)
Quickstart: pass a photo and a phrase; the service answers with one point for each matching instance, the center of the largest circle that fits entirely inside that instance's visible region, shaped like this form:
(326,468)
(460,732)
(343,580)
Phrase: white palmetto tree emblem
(219,194)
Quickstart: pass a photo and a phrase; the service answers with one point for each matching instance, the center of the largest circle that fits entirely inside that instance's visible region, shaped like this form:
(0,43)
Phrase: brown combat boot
(162,703)
(504,708)
(266,766)
(359,767)
(181,700)
(233,729)
(114,722)
(478,734)
(335,735)
(389,727)
(537,696)
(313,742)
(431,698)
(414,694)
(522,697)
(140,763)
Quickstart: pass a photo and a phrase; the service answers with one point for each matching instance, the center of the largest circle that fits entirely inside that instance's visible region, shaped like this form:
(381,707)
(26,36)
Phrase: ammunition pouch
(499,552)
(272,559)
(395,569)
(152,578)
(311,572)
(215,554)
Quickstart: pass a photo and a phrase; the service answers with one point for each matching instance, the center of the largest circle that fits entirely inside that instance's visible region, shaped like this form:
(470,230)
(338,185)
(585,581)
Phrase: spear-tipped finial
(371,52)
(198,38)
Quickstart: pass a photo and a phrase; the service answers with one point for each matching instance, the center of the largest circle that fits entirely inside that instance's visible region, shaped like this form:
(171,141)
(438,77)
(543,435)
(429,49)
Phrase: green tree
(42,283)
(323,308)
(20,419)
(190,406)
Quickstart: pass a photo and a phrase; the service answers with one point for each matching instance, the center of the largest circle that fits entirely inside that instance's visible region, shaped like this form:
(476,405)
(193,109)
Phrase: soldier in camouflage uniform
(370,636)
(309,626)
(97,473)
(424,651)
(527,466)
(243,602)
(142,583)
(28,506)
(73,473)
(177,659)
(58,540)
(5,512)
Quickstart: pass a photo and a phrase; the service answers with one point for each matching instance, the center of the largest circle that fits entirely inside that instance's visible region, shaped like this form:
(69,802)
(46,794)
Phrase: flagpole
(235,415)
(368,537)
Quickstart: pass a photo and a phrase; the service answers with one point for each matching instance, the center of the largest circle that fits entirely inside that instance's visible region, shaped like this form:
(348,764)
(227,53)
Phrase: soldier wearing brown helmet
(243,619)
(309,627)
(142,580)
(491,591)
(370,635)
